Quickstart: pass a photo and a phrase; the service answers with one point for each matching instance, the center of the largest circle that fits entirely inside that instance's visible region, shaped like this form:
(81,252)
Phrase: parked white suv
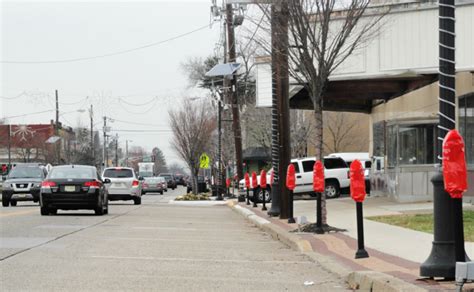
(335,172)
(125,185)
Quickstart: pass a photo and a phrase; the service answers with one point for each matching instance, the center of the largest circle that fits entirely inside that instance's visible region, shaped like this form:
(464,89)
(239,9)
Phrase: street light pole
(442,259)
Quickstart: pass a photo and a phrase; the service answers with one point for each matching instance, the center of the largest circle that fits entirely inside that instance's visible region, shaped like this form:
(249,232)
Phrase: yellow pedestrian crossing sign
(204,161)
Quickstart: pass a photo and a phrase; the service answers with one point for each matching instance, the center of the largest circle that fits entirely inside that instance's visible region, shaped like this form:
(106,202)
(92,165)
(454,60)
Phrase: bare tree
(344,133)
(323,34)
(192,127)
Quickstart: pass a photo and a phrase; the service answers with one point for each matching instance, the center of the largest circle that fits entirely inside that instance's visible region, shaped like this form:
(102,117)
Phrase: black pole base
(442,259)
(291,220)
(275,208)
(248,198)
(361,253)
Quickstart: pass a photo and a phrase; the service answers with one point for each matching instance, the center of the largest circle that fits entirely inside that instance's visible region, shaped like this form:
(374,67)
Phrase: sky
(139,86)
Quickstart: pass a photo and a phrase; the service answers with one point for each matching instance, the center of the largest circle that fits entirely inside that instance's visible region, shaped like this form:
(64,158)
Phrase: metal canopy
(359,95)
(223,69)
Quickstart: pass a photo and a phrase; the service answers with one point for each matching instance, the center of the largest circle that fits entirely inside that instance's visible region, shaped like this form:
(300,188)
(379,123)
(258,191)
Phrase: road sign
(204,161)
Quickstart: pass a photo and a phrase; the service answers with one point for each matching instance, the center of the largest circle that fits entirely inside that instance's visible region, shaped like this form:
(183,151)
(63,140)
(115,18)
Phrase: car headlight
(37,185)
(6,186)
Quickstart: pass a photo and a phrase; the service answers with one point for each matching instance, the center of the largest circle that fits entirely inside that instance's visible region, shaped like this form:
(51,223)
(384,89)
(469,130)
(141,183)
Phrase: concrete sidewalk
(405,243)
(394,251)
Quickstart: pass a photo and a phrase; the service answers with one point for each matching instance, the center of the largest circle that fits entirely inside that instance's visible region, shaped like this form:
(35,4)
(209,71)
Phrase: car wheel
(44,211)
(137,201)
(106,209)
(12,203)
(5,201)
(53,211)
(161,193)
(99,210)
(332,190)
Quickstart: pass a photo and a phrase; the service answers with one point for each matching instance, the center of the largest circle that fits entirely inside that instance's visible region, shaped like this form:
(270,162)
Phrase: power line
(108,54)
(138,104)
(24,115)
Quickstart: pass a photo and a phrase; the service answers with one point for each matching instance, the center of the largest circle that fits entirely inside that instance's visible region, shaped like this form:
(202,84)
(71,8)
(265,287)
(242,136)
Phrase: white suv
(124,184)
(335,173)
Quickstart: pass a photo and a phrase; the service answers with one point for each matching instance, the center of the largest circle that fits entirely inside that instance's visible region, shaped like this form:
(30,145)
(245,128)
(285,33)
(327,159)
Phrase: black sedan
(73,187)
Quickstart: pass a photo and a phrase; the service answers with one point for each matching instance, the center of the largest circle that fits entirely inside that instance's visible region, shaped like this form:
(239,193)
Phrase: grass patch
(193,197)
(424,222)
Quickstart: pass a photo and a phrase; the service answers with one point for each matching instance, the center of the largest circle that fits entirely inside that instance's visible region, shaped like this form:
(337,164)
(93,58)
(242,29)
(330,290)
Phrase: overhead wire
(108,54)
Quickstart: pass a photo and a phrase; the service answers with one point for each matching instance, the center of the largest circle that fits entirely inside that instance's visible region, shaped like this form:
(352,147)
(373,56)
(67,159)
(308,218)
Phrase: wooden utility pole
(280,70)
(58,143)
(105,143)
(92,134)
(233,92)
(116,150)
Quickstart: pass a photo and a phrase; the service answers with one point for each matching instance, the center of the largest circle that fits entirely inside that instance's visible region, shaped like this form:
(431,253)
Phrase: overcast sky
(123,86)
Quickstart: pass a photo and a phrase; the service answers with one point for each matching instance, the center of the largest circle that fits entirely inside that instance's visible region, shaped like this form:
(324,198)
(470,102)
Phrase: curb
(358,280)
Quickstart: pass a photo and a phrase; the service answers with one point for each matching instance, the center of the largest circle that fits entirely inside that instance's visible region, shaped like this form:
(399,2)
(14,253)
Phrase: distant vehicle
(169,179)
(145,169)
(23,183)
(164,183)
(152,185)
(73,187)
(180,179)
(125,185)
(335,172)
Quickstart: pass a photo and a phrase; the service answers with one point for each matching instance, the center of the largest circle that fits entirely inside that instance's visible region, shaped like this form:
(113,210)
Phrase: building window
(466,126)
(417,144)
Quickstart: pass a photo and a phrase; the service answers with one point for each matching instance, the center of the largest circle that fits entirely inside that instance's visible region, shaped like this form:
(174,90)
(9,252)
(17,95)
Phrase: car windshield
(118,173)
(72,173)
(152,180)
(26,172)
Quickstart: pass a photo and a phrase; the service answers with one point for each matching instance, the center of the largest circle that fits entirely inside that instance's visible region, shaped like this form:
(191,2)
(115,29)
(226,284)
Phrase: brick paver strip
(342,248)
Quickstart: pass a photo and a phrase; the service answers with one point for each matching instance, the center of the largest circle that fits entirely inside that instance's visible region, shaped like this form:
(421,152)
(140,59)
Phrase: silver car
(152,185)
(125,185)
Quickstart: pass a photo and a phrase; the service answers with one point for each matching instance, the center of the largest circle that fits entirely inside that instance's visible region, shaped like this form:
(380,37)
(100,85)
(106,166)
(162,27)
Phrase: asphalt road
(154,246)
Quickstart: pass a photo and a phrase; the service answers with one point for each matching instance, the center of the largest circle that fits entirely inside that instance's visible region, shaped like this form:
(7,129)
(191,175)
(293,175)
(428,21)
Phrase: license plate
(70,188)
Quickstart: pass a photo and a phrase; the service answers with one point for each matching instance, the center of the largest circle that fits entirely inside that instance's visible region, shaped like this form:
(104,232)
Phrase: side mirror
(107,181)
(141,178)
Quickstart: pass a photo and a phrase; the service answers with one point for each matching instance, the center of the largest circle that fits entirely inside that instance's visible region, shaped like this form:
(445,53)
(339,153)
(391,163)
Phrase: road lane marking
(18,213)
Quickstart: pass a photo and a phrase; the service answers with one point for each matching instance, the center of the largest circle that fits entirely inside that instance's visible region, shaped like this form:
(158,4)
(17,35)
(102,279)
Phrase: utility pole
(116,150)
(281,150)
(58,143)
(9,144)
(233,92)
(91,113)
(126,153)
(105,143)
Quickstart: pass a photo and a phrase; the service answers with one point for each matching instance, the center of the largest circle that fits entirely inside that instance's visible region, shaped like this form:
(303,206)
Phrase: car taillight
(92,184)
(135,183)
(48,184)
